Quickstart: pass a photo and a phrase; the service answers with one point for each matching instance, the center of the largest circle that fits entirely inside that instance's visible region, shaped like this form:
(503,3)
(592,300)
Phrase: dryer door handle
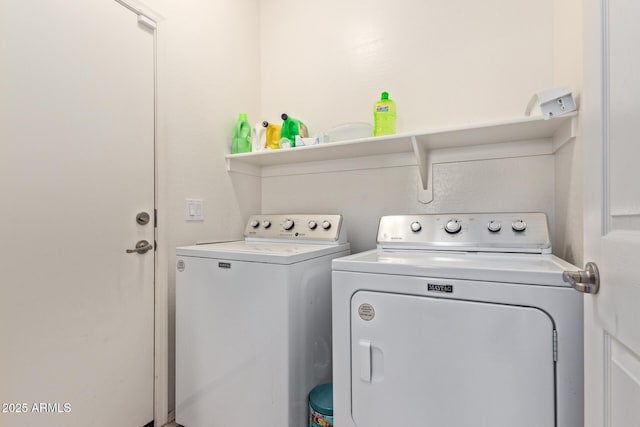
(365,360)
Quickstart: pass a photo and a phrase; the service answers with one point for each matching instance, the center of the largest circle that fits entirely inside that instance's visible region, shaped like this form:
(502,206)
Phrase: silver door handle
(142,247)
(586,281)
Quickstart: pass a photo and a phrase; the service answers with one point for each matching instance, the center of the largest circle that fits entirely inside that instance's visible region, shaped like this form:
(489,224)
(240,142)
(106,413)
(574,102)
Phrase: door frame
(154,22)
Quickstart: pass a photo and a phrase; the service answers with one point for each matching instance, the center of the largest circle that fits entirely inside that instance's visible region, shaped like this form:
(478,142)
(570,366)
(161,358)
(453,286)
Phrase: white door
(76,166)
(610,115)
(420,361)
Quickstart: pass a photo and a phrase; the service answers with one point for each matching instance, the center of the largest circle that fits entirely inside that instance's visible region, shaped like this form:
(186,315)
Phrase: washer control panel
(314,227)
(491,232)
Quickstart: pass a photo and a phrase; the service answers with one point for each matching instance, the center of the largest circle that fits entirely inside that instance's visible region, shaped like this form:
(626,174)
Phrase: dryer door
(419,361)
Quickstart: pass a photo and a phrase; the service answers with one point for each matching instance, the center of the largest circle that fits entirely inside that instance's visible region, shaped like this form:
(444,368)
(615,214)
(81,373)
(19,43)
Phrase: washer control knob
(266,223)
(326,225)
(453,226)
(519,225)
(416,226)
(254,223)
(494,226)
(288,224)
(312,225)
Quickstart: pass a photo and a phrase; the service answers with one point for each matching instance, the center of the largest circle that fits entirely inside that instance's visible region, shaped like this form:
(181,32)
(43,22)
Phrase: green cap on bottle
(385,95)
(242,116)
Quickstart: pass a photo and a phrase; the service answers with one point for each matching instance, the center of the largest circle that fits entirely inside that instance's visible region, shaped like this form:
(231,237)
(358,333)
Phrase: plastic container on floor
(321,406)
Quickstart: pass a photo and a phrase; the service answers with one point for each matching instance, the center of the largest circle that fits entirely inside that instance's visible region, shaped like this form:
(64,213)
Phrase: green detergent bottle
(241,139)
(384,116)
(290,128)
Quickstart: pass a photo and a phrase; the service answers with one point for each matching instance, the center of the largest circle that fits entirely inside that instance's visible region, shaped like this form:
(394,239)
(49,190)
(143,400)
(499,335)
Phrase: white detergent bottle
(258,137)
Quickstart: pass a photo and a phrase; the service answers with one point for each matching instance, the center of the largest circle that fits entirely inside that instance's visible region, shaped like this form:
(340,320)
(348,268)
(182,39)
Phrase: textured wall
(444,63)
(208,73)
(362,196)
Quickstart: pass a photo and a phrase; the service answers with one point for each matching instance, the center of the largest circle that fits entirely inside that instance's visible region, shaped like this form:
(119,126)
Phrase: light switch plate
(194,210)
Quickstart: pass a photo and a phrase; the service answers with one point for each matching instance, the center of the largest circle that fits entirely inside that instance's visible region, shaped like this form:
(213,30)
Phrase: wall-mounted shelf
(513,138)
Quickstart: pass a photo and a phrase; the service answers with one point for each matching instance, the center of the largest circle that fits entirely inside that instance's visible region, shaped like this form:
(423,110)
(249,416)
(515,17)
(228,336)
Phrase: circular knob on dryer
(254,223)
(288,224)
(266,223)
(519,225)
(326,225)
(494,226)
(453,226)
(312,225)
(416,226)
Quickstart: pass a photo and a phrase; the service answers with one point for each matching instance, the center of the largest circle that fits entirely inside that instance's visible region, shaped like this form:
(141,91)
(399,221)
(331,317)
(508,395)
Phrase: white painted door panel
(429,361)
(612,207)
(76,166)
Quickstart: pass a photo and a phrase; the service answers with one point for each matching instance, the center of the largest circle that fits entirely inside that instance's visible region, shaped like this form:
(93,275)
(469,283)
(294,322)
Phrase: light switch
(194,210)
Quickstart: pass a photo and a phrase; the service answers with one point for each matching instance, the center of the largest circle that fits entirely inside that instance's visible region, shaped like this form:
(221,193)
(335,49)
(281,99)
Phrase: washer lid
(534,269)
(268,252)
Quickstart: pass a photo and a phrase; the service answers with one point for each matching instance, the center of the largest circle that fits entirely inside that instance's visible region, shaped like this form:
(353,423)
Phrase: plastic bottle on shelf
(241,139)
(272,135)
(290,128)
(384,116)
(258,137)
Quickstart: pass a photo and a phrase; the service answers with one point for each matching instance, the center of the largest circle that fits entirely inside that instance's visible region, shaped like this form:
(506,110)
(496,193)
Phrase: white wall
(524,184)
(209,72)
(444,63)
(568,160)
(568,203)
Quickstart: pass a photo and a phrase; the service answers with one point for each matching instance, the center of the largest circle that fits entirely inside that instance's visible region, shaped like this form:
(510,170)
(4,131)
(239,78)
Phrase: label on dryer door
(366,312)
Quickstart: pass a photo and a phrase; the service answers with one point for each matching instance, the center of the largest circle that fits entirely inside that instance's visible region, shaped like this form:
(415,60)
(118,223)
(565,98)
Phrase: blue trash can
(321,406)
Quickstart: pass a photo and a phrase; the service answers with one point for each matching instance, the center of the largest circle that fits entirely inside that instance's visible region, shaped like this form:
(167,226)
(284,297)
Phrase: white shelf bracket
(566,133)
(239,166)
(425,168)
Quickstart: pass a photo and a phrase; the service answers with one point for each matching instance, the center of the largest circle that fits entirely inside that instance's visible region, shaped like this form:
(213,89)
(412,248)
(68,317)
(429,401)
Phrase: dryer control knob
(312,225)
(254,223)
(326,225)
(288,224)
(266,223)
(519,225)
(453,226)
(494,226)
(416,226)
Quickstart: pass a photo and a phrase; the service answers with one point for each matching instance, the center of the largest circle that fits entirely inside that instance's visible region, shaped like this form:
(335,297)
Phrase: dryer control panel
(296,227)
(526,232)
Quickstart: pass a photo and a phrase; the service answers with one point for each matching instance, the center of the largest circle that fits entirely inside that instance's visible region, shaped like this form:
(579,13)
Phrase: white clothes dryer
(253,322)
(458,320)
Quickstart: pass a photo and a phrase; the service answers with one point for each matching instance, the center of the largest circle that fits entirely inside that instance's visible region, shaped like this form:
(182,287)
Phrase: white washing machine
(457,321)
(253,322)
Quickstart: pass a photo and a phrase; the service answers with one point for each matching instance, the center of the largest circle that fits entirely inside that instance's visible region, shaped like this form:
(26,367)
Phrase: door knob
(142,247)
(586,281)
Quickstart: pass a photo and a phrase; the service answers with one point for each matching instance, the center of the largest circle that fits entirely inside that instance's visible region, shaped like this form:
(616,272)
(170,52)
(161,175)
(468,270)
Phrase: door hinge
(555,345)
(155,218)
